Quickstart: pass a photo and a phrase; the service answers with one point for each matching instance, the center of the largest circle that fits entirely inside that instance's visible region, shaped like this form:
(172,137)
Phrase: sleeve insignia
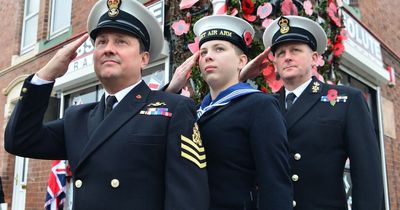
(192,149)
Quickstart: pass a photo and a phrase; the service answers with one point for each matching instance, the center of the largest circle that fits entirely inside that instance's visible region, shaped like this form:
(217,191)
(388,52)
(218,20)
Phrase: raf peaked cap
(224,27)
(129,16)
(295,29)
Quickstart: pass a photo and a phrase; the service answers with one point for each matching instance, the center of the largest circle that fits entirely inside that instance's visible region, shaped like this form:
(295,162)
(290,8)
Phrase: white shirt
(299,90)
(122,93)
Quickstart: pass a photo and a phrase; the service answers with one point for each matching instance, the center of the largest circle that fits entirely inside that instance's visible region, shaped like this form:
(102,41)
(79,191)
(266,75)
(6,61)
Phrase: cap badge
(113,7)
(284,25)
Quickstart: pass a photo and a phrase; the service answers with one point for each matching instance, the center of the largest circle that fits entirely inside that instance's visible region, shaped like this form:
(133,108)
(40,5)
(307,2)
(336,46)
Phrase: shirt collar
(122,93)
(299,90)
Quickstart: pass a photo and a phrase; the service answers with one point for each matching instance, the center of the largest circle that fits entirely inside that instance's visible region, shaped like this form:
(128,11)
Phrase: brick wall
(383,19)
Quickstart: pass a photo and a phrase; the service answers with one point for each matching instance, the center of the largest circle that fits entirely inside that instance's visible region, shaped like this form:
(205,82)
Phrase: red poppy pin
(247,38)
(332,97)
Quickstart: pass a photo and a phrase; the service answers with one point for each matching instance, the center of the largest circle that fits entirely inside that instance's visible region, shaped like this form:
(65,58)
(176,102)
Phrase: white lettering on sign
(84,57)
(360,39)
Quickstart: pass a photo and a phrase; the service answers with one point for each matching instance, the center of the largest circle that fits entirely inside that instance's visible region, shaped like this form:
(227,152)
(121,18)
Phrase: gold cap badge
(284,25)
(113,7)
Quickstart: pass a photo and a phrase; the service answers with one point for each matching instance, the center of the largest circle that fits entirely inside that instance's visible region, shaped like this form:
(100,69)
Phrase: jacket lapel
(96,116)
(310,96)
(132,103)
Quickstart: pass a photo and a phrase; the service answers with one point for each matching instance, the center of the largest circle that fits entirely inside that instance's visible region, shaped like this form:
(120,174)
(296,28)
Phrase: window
(60,17)
(29,25)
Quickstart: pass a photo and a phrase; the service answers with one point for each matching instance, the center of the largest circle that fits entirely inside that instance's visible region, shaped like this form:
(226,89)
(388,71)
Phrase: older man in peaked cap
(136,148)
(327,124)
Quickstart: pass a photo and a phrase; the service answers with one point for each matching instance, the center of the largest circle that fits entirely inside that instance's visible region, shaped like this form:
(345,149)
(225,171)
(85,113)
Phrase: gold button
(295,178)
(297,156)
(24,90)
(78,183)
(294,203)
(115,183)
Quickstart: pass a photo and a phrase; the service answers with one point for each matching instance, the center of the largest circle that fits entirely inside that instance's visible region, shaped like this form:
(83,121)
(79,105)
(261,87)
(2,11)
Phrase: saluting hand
(253,68)
(58,65)
(182,74)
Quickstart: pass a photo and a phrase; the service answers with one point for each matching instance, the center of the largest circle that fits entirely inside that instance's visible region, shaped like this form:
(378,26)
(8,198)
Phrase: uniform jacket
(130,160)
(322,135)
(1,192)
(248,155)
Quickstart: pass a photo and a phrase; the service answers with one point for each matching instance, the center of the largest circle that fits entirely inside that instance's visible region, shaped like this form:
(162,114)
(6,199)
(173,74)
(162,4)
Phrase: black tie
(110,101)
(289,100)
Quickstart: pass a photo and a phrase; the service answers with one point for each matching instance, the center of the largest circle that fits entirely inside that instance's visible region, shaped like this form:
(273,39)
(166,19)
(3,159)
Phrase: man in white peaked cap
(327,124)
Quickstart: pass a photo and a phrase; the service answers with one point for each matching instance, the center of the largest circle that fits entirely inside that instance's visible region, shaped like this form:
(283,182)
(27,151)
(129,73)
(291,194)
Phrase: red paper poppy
(247,38)
(180,27)
(194,47)
(332,94)
(248,8)
(288,8)
(266,22)
(307,5)
(264,10)
(234,12)
(338,49)
(186,4)
(333,14)
(267,71)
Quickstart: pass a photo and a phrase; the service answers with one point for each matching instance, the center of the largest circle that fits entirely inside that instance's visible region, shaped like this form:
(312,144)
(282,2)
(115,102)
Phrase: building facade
(33,30)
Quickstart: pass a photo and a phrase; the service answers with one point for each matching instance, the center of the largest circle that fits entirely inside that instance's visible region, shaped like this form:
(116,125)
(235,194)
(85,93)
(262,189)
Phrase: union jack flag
(55,196)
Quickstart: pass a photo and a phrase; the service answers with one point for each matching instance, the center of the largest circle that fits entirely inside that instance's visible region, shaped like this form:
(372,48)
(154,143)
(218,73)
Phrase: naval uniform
(323,132)
(129,160)
(247,154)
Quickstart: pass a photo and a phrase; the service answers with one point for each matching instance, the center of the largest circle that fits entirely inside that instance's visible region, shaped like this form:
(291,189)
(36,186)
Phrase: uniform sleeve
(269,145)
(363,150)
(185,170)
(25,133)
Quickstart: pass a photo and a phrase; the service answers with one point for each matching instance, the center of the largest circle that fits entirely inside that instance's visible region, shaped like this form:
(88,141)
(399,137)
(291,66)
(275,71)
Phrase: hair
(237,49)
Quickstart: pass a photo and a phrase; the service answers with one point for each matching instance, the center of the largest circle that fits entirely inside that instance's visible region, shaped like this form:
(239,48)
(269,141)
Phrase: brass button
(24,90)
(295,178)
(115,183)
(297,156)
(78,183)
(294,203)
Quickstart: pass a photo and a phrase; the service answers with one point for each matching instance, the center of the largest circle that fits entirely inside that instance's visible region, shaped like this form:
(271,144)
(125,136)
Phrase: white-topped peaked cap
(225,27)
(295,29)
(130,16)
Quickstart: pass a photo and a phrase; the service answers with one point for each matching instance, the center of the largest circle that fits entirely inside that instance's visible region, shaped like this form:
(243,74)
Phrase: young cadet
(123,156)
(242,129)
(327,124)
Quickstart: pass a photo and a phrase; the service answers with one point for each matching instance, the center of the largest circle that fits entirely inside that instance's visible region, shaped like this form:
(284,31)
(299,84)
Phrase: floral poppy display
(260,15)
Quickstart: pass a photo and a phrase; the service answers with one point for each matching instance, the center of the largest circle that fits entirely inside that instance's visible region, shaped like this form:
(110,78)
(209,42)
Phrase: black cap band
(223,34)
(295,34)
(125,22)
